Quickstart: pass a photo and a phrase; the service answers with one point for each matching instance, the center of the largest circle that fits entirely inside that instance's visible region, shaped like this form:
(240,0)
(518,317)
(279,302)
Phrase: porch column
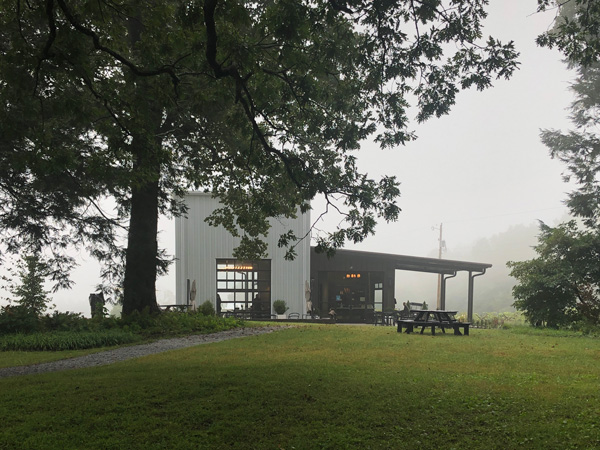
(442,305)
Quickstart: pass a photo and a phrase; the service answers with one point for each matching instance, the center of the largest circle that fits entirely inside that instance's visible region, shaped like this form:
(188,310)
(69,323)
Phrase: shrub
(65,340)
(67,321)
(23,330)
(18,319)
(207,308)
(178,323)
(143,319)
(280,306)
(497,320)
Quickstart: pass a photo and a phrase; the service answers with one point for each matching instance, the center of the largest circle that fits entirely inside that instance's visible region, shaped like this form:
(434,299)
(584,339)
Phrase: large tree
(260,102)
(579,148)
(576,32)
(562,284)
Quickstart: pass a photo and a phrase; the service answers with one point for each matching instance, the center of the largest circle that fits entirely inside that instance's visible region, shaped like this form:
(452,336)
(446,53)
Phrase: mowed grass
(330,387)
(13,358)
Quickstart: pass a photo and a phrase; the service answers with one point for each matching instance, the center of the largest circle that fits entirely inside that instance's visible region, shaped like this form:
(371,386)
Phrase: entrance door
(378,296)
(244,286)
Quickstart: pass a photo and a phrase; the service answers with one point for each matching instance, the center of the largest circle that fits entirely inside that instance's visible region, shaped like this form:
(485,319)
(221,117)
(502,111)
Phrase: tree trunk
(139,287)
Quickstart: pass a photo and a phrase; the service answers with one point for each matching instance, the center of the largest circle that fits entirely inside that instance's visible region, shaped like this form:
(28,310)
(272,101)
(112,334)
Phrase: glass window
(244,285)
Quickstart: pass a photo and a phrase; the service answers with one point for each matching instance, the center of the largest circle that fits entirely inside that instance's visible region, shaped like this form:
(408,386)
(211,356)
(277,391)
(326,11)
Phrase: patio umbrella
(193,295)
(307,297)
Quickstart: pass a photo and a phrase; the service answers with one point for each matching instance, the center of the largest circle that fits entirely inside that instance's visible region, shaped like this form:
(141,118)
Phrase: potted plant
(280,308)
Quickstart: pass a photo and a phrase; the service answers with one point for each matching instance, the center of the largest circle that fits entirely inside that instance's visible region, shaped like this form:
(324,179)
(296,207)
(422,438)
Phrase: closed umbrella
(193,295)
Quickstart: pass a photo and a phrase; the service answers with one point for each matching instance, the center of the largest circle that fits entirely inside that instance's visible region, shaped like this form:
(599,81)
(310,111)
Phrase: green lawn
(323,387)
(10,359)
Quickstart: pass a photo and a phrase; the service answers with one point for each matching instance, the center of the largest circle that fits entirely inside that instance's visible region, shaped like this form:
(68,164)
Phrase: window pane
(227,297)
(378,300)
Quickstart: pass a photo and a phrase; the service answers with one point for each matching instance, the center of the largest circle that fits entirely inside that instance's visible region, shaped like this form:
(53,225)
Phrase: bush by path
(69,331)
(66,340)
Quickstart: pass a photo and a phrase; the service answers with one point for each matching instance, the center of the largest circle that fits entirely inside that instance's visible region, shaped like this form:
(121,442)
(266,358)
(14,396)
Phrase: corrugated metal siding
(198,245)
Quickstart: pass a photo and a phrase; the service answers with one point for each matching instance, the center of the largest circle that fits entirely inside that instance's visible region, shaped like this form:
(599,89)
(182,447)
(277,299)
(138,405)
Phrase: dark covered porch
(357,285)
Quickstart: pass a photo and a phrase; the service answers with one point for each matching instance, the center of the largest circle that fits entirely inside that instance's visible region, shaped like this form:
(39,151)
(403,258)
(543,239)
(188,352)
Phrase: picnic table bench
(180,307)
(411,309)
(432,319)
(248,314)
(384,318)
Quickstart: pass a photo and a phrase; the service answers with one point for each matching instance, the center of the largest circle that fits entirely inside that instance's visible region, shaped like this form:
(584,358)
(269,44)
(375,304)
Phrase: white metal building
(205,259)
(356,285)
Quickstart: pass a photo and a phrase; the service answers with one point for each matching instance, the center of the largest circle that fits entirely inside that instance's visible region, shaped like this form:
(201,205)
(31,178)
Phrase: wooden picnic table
(432,318)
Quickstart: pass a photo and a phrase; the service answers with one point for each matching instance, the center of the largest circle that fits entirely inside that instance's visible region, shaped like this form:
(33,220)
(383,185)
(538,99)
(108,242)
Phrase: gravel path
(135,351)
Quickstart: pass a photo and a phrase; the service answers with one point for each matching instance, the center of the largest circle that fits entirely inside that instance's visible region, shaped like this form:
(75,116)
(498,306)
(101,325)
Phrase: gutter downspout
(470,299)
(443,290)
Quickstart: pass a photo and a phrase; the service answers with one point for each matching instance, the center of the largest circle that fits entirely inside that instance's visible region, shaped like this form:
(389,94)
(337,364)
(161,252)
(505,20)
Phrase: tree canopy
(561,285)
(579,148)
(576,31)
(261,103)
(29,292)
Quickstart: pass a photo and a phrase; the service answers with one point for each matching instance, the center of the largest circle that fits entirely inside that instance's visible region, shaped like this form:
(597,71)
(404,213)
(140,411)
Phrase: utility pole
(442,245)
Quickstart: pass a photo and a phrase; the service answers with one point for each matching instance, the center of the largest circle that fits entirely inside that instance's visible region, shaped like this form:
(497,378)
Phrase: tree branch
(98,46)
(241,89)
(340,5)
(51,37)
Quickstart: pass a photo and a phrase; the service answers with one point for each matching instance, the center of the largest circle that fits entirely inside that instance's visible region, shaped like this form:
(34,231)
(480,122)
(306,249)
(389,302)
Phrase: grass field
(333,387)
(10,359)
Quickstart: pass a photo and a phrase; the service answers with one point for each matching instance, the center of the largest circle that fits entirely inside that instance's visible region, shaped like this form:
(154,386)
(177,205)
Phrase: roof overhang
(416,263)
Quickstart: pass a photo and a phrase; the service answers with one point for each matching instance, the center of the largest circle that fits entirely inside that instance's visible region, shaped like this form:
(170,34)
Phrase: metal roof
(416,263)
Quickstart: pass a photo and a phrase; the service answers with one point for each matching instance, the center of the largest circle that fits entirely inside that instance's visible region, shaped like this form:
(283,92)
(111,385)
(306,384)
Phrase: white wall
(198,246)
